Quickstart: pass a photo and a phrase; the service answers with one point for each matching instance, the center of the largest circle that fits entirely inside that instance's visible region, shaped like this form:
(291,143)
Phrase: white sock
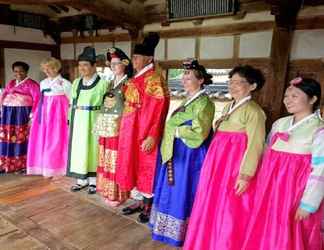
(136,195)
(146,195)
(82,182)
(92,180)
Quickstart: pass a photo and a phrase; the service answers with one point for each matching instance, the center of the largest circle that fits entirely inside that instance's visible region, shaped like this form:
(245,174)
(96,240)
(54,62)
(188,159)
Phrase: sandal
(77,187)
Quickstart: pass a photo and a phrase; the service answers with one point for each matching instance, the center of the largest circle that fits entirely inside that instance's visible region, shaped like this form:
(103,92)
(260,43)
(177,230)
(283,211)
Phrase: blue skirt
(14,131)
(172,204)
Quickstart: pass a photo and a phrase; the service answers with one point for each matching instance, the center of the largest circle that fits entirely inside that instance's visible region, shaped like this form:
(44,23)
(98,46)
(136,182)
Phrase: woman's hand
(148,144)
(301,214)
(241,186)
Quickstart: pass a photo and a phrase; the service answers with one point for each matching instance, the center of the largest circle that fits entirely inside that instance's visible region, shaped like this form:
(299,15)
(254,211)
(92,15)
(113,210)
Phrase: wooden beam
(308,23)
(315,65)
(228,29)
(103,38)
(219,63)
(254,6)
(313,2)
(32,46)
(127,1)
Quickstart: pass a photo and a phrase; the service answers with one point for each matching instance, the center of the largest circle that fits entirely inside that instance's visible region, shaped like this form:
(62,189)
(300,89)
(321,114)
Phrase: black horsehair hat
(148,46)
(88,54)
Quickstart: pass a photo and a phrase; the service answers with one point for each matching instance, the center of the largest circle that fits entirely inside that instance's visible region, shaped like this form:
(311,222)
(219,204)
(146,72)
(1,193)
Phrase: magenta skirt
(48,141)
(278,191)
(220,217)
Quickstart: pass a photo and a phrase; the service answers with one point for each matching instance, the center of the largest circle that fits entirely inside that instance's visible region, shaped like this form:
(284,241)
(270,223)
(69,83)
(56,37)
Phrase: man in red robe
(146,105)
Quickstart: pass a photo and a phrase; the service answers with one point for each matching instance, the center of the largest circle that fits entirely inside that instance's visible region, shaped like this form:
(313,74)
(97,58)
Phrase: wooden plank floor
(38,213)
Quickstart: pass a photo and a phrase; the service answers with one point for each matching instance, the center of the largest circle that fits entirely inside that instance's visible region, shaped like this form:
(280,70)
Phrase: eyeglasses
(236,82)
(115,63)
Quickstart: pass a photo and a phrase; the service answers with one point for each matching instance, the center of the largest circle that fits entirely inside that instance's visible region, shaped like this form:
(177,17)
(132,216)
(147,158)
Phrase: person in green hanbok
(87,97)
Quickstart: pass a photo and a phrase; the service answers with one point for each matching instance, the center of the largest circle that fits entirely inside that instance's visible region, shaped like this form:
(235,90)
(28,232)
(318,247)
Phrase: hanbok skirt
(106,171)
(280,186)
(14,130)
(219,217)
(48,142)
(172,204)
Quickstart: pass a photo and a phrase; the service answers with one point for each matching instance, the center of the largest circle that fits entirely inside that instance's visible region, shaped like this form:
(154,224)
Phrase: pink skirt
(278,191)
(219,217)
(48,142)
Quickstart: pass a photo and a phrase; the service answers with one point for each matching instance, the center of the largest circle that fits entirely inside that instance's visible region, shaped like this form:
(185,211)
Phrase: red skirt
(106,171)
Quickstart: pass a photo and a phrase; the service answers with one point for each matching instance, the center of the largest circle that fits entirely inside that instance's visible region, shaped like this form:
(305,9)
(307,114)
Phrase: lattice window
(188,9)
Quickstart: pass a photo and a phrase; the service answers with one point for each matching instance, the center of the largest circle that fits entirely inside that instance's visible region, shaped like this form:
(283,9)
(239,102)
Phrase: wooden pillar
(280,52)
(2,68)
(285,15)
(56,52)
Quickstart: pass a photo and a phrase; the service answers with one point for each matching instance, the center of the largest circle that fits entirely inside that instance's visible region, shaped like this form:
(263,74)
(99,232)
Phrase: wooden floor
(38,213)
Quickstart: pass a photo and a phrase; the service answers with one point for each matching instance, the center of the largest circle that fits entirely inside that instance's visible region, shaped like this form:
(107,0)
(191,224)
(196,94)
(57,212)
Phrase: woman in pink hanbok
(48,143)
(222,203)
(289,190)
(18,102)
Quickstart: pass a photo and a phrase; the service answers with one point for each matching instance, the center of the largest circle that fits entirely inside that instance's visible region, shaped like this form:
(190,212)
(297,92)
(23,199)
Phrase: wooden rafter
(54,8)
(37,2)
(102,9)
(109,13)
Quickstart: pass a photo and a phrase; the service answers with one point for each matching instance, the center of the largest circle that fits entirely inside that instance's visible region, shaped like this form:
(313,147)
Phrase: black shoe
(77,187)
(132,209)
(92,189)
(21,171)
(143,217)
(2,171)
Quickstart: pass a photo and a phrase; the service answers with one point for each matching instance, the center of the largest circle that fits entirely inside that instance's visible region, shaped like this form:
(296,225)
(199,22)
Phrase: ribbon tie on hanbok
(284,136)
(40,104)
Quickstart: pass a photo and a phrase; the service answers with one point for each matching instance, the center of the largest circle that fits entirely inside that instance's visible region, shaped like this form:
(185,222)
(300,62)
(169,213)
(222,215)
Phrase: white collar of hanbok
(235,106)
(91,81)
(18,83)
(194,97)
(51,81)
(320,116)
(299,123)
(145,69)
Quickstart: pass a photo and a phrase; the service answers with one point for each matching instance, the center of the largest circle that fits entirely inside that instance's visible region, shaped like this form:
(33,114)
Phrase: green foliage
(175,73)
